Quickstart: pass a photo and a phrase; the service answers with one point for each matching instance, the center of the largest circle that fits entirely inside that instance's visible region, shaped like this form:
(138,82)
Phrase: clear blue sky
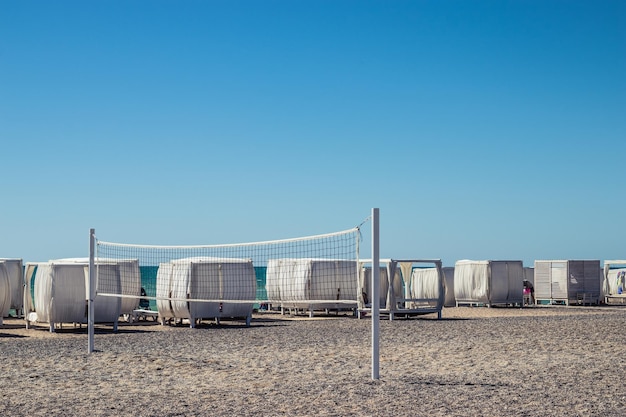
(481,129)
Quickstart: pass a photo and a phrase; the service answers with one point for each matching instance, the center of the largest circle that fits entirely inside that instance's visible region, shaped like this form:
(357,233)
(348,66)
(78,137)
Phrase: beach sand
(476,361)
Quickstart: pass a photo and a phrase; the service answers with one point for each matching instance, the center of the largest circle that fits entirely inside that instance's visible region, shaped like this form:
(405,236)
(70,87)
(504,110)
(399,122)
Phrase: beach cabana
(15,269)
(130,279)
(5,291)
(311,283)
(567,281)
(401,292)
(181,281)
(614,282)
(60,293)
(488,282)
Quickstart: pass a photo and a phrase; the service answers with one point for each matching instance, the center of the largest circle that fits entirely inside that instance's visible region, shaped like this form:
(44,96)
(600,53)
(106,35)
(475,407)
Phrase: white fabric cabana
(400,294)
(568,281)
(15,270)
(205,278)
(488,282)
(5,291)
(130,279)
(60,293)
(613,274)
(312,283)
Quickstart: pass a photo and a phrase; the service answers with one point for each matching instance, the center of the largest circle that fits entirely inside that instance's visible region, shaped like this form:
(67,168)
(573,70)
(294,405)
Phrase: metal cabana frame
(398,294)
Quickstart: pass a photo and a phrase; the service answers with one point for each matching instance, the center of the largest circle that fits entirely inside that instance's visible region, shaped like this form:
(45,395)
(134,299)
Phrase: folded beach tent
(312,283)
(181,281)
(15,270)
(488,282)
(60,293)
(568,281)
(5,291)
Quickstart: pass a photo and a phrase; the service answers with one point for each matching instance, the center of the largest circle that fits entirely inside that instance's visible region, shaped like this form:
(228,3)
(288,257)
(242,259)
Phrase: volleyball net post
(375,294)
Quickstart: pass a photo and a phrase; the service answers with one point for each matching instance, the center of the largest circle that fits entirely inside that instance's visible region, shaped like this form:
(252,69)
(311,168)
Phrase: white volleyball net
(230,281)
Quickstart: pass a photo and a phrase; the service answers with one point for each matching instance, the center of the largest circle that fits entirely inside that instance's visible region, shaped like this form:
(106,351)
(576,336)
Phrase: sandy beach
(476,361)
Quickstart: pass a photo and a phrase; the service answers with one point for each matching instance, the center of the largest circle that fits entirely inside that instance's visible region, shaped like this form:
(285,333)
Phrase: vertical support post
(375,294)
(91,290)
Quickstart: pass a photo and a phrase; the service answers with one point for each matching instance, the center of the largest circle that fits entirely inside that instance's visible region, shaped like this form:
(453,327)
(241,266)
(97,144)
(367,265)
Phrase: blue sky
(481,129)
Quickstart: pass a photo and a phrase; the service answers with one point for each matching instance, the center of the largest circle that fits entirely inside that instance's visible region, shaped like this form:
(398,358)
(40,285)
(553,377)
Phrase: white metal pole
(375,294)
(91,289)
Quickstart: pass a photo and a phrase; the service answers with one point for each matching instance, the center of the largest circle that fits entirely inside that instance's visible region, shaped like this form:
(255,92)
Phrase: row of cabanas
(553,281)
(406,287)
(59,287)
(59,290)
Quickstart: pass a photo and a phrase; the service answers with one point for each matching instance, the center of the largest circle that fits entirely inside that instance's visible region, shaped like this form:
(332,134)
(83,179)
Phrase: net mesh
(206,281)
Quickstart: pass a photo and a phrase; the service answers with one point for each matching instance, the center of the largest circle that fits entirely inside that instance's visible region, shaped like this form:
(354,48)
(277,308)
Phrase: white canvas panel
(333,280)
(558,274)
(130,278)
(272,283)
(507,282)
(616,278)
(5,291)
(304,279)
(592,279)
(181,273)
(499,282)
(60,293)
(238,282)
(426,283)
(576,277)
(448,273)
(15,270)
(206,278)
(383,288)
(471,281)
(610,275)
(106,309)
(293,279)
(204,282)
(543,280)
(164,289)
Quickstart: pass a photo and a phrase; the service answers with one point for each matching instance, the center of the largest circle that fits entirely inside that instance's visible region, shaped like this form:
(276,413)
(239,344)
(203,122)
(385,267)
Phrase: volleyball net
(231,280)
